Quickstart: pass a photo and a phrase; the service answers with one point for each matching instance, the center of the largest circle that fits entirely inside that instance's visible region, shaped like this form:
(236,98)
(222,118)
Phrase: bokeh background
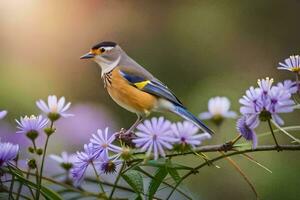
(200,49)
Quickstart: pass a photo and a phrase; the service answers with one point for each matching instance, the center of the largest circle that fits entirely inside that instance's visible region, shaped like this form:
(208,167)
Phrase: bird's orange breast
(128,96)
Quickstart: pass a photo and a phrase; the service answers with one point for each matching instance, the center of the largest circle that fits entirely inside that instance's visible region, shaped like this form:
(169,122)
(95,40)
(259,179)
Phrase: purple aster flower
(55,107)
(252,105)
(102,143)
(280,102)
(108,165)
(8,152)
(291,64)
(185,134)
(265,103)
(218,109)
(288,85)
(246,131)
(3,114)
(154,136)
(31,125)
(265,87)
(83,160)
(65,160)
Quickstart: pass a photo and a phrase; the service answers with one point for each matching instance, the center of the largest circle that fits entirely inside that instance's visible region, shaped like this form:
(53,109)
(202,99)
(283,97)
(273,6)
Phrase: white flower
(55,106)
(218,108)
(64,158)
(3,113)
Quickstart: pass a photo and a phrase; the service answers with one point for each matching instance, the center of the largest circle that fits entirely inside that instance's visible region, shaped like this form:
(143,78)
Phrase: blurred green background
(200,49)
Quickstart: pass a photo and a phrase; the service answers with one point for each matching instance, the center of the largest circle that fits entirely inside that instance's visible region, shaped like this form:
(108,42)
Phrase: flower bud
(33,134)
(39,151)
(49,131)
(126,153)
(53,116)
(30,149)
(66,166)
(265,116)
(31,163)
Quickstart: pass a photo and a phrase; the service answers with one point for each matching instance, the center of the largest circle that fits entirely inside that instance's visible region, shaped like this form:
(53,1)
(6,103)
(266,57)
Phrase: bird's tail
(184,113)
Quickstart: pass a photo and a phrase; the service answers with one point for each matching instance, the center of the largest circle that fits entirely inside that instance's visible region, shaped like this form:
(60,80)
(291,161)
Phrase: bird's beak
(88,56)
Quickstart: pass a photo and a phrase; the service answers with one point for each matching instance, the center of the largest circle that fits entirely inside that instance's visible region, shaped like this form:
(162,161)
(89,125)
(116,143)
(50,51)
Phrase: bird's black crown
(104,44)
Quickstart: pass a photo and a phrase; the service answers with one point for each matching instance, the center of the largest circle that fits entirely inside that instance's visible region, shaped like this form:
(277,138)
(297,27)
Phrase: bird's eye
(102,50)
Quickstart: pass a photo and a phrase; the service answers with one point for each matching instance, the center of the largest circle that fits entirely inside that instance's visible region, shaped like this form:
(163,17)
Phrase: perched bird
(133,87)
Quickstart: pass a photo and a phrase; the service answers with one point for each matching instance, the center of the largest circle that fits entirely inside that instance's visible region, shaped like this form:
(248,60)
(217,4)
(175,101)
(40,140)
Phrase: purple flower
(288,85)
(31,124)
(83,160)
(154,136)
(109,165)
(291,64)
(3,113)
(251,105)
(55,106)
(102,143)
(280,102)
(246,131)
(265,103)
(185,133)
(8,152)
(218,109)
(265,85)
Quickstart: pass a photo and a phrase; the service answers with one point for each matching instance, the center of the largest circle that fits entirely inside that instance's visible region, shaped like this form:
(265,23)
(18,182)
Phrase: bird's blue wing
(154,87)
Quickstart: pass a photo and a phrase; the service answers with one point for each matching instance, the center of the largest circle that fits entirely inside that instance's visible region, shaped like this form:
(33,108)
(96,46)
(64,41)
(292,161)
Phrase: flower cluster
(157,134)
(152,136)
(264,103)
(98,154)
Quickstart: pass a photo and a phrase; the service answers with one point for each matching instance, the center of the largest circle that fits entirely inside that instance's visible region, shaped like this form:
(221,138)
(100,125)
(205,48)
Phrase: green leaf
(135,180)
(46,192)
(174,174)
(159,176)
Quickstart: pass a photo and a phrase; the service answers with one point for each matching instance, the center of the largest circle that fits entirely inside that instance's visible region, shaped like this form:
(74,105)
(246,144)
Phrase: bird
(134,88)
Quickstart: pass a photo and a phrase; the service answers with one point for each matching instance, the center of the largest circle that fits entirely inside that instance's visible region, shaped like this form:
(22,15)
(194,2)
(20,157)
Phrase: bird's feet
(126,137)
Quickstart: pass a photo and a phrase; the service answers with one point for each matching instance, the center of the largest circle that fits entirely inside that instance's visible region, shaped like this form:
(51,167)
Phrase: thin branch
(215,148)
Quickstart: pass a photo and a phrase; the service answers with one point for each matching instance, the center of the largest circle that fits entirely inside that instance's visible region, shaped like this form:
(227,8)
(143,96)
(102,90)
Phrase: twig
(214,148)
(240,171)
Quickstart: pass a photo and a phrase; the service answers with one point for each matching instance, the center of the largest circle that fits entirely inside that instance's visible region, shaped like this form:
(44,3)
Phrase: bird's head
(107,54)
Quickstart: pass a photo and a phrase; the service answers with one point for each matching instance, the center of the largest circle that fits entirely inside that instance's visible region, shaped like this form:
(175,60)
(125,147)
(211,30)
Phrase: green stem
(23,196)
(285,132)
(11,186)
(116,181)
(271,129)
(21,185)
(41,169)
(42,164)
(34,145)
(98,179)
